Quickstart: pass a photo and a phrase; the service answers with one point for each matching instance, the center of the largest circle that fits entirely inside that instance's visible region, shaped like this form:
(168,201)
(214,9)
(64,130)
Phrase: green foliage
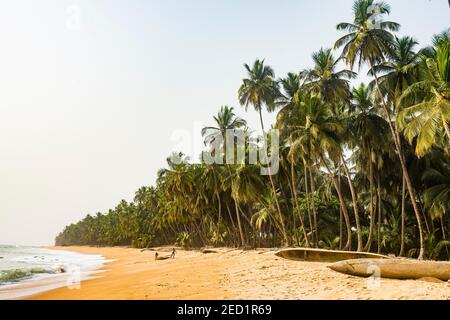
(184,239)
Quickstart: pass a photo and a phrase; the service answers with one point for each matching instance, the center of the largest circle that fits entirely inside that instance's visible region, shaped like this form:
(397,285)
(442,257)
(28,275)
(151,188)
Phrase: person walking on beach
(156,256)
(173,254)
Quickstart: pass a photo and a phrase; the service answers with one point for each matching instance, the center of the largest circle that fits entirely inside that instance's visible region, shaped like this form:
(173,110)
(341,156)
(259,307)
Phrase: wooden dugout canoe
(394,268)
(320,255)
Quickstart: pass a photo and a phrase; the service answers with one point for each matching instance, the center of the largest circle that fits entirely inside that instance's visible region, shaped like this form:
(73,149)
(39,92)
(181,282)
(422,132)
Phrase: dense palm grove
(364,168)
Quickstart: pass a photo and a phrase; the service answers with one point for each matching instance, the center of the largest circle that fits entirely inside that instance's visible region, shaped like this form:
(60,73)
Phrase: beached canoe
(163,258)
(320,255)
(394,268)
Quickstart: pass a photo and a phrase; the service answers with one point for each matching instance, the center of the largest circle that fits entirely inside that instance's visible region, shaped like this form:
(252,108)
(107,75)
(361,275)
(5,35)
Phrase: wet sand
(231,274)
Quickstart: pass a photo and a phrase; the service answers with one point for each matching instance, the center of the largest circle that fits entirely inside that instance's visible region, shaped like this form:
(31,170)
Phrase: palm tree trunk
(403,165)
(379,213)
(313,202)
(443,234)
(305,169)
(341,218)
(372,216)
(232,221)
(285,238)
(348,246)
(402,240)
(355,205)
(220,213)
(294,190)
(238,217)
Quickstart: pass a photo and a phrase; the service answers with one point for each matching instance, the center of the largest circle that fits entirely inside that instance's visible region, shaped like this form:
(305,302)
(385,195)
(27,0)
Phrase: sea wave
(8,276)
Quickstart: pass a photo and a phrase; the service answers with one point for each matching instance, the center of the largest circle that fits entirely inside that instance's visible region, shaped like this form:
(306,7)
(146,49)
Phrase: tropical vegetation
(363,167)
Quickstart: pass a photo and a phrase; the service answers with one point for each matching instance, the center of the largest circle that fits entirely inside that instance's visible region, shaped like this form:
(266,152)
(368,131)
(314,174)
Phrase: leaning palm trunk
(348,246)
(372,217)
(294,190)
(355,205)
(403,164)
(285,238)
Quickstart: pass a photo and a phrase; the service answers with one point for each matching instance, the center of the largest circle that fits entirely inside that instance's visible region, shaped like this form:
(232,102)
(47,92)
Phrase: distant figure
(156,256)
(174,252)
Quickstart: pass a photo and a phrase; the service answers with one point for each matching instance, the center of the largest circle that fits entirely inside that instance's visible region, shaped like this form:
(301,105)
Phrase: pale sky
(88,106)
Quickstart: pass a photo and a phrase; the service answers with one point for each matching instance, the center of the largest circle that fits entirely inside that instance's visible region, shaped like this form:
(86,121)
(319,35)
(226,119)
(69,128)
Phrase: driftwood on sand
(394,268)
(319,255)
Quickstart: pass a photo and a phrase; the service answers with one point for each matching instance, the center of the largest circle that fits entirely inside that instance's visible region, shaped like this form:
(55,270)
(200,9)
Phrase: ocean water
(26,271)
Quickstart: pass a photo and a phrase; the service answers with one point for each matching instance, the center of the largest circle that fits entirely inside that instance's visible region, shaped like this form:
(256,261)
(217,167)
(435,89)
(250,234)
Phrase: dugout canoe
(402,269)
(320,255)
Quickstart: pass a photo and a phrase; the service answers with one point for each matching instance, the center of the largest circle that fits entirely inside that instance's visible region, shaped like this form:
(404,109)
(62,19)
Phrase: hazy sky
(89,103)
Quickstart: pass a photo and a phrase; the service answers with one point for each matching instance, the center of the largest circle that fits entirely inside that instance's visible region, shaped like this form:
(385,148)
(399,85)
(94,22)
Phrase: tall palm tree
(334,88)
(315,136)
(286,120)
(397,73)
(225,120)
(261,90)
(368,130)
(369,40)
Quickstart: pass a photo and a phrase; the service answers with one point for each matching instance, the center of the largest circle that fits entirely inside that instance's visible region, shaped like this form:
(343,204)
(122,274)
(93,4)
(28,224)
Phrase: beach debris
(207,251)
(394,268)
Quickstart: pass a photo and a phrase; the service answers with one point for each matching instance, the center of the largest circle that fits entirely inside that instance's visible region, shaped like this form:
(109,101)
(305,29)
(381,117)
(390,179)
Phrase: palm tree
(370,40)
(316,135)
(334,88)
(400,70)
(225,120)
(286,120)
(397,73)
(368,130)
(259,90)
(428,117)
(323,79)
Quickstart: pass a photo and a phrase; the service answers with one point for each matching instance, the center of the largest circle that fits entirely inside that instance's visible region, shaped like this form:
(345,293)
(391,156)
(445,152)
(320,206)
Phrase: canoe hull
(319,255)
(394,269)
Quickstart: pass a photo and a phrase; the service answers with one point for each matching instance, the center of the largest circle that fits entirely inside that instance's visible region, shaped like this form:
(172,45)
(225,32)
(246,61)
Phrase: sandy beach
(230,274)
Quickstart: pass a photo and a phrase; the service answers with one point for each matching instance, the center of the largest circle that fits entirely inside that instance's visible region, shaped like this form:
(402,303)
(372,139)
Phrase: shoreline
(230,274)
(84,267)
(135,275)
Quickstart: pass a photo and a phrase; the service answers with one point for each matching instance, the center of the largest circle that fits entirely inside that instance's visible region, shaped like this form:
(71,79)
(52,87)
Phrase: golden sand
(231,274)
